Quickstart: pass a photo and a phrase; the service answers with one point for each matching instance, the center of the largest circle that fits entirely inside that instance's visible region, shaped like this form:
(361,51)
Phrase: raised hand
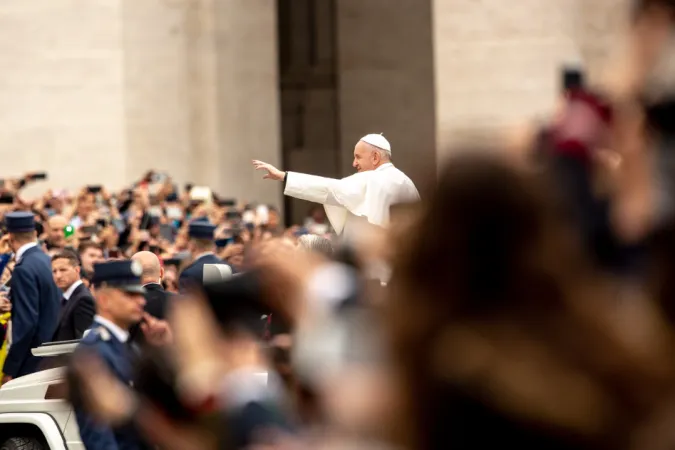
(272,172)
(157,332)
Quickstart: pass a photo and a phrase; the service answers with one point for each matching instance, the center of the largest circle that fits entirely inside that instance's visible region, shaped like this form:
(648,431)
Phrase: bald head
(55,227)
(152,269)
(57,222)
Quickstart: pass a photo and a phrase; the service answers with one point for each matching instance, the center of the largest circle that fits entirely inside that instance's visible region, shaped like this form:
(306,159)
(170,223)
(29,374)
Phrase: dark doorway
(309,92)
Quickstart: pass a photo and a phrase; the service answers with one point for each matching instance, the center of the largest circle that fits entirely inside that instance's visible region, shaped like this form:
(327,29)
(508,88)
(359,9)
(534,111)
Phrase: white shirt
(71,289)
(364,197)
(23,249)
(120,334)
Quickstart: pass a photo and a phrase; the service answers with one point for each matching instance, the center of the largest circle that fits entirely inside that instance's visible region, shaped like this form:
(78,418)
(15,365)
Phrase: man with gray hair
(364,197)
(314,243)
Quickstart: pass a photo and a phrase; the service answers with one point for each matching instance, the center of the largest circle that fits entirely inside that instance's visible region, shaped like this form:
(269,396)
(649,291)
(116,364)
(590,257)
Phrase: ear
(161,272)
(78,270)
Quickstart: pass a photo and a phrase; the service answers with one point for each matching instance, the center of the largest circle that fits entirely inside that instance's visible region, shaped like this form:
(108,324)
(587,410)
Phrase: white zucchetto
(378,141)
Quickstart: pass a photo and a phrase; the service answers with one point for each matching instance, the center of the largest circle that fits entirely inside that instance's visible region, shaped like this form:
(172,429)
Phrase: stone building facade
(98,91)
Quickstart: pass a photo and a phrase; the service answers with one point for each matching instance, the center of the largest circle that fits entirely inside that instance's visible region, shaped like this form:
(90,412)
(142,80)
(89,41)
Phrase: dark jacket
(35,310)
(157,301)
(76,315)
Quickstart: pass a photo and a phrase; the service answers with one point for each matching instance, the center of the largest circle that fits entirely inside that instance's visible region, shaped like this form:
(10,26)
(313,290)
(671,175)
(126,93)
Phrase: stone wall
(62,90)
(99,91)
(386,73)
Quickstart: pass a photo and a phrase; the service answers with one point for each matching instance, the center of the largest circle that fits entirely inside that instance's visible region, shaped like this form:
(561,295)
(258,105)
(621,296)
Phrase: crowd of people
(153,218)
(526,301)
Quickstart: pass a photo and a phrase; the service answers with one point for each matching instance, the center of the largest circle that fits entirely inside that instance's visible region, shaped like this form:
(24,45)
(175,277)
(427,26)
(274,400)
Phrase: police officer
(202,248)
(34,296)
(120,304)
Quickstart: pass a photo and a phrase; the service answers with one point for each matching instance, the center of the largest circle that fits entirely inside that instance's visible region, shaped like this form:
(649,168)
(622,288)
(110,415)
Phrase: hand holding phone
(36,176)
(5,304)
(4,245)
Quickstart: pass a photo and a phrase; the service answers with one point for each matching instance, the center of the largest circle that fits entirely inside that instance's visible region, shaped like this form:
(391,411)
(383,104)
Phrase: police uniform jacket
(114,352)
(35,310)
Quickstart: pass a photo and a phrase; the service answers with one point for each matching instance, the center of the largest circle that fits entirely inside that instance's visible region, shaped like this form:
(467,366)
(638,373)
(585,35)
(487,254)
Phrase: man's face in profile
(364,157)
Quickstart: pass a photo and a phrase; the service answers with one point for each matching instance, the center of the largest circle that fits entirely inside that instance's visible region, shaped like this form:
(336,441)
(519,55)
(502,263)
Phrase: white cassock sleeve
(338,196)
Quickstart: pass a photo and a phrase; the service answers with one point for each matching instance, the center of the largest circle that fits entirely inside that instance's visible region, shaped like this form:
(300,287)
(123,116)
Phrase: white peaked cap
(378,141)
(216,273)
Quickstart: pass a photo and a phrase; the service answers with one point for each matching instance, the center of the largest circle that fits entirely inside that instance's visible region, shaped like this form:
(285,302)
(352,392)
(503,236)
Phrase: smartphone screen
(89,230)
(263,214)
(174,212)
(39,176)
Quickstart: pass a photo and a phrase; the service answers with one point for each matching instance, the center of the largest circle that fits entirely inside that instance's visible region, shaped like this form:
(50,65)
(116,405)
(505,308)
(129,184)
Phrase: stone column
(248,98)
(61,91)
(386,72)
(157,90)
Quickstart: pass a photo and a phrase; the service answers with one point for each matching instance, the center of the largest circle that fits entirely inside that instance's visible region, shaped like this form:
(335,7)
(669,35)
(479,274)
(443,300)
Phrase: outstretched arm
(311,188)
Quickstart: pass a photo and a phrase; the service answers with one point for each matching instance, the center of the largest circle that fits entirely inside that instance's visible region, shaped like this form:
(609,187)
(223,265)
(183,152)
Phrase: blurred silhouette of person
(494,285)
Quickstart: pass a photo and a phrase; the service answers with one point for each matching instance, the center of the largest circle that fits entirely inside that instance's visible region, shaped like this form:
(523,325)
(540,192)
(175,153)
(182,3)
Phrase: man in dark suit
(202,247)
(34,296)
(77,303)
(120,304)
(157,300)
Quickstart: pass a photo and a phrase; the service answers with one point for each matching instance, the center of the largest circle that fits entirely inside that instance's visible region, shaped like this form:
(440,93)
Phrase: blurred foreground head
(497,322)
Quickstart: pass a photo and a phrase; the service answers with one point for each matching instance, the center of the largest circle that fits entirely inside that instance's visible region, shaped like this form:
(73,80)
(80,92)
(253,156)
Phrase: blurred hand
(286,273)
(648,36)
(197,352)
(232,250)
(5,304)
(272,172)
(4,245)
(157,332)
(6,379)
(171,435)
(103,395)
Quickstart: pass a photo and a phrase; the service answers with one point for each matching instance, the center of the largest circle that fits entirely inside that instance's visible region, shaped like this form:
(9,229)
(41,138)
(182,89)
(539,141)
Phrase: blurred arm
(311,188)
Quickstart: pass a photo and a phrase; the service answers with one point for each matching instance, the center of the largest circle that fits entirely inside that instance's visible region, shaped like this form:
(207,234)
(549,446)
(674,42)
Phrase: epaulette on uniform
(101,332)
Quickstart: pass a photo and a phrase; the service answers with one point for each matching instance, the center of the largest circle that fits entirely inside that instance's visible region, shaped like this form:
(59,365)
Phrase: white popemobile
(34,415)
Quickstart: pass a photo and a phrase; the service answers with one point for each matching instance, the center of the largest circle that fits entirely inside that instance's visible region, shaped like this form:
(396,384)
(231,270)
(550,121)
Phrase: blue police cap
(20,222)
(124,275)
(201,230)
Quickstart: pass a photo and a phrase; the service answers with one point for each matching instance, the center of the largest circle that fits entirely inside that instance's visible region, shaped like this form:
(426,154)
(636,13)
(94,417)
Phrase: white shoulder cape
(365,194)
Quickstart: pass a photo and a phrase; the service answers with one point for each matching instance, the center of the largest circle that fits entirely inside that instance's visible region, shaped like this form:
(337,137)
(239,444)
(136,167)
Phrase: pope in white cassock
(363,197)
